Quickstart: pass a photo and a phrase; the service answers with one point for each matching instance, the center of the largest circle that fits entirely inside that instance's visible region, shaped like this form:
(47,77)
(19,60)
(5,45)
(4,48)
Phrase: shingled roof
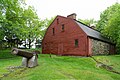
(92,33)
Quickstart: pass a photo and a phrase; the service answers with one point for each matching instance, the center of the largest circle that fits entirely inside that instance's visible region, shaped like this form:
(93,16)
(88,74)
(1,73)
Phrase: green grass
(113,61)
(62,68)
(6,54)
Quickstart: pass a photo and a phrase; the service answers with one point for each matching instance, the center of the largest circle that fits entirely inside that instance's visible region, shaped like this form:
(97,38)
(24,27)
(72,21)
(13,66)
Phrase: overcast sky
(85,9)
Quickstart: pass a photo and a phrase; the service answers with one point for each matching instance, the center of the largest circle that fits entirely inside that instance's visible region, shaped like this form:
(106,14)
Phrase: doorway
(60,49)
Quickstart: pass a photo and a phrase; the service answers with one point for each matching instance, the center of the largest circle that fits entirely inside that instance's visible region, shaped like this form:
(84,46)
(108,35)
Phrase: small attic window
(63,27)
(53,31)
(57,21)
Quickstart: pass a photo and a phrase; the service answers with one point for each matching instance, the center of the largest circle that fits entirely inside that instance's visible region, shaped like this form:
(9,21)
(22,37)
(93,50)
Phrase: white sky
(85,9)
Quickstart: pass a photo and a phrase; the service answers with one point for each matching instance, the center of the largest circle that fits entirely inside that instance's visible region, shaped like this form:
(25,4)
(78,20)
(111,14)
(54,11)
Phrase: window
(76,42)
(63,27)
(53,30)
(57,21)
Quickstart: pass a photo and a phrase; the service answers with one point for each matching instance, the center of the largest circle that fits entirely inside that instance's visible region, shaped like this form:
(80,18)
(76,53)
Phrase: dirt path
(105,66)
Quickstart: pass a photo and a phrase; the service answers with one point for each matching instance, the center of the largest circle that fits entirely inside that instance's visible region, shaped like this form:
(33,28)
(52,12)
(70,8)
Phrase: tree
(109,24)
(106,15)
(89,22)
(31,26)
(112,30)
(46,24)
(18,22)
(11,10)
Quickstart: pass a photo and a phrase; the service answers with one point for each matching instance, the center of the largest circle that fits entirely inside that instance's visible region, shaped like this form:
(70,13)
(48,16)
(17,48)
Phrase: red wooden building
(67,36)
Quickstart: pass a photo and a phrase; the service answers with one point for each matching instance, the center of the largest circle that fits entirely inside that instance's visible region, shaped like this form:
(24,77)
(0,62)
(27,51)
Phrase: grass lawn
(61,68)
(5,54)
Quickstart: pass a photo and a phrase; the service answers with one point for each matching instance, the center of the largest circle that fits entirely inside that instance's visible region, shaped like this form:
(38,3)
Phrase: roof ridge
(87,26)
(92,32)
(81,23)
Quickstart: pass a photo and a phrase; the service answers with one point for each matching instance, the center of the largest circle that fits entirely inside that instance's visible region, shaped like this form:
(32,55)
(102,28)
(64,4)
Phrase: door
(60,49)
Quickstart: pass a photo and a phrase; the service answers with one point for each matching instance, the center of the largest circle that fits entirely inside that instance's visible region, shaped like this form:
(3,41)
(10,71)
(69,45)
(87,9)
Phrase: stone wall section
(99,47)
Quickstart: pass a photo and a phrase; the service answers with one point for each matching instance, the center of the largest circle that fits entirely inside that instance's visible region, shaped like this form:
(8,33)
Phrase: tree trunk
(25,43)
(17,43)
(29,42)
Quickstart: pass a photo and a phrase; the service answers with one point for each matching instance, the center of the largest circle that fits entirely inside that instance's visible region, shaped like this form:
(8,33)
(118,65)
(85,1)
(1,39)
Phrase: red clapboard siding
(61,35)
(63,42)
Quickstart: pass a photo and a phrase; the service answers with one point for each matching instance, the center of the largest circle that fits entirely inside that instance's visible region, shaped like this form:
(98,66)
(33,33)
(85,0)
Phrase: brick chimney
(72,16)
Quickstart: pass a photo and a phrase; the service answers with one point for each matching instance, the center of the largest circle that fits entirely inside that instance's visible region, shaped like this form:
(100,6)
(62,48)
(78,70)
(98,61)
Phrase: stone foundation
(99,47)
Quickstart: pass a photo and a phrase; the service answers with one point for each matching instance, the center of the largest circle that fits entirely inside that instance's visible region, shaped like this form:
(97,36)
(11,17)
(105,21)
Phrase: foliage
(10,13)
(62,67)
(88,22)
(46,22)
(106,15)
(31,28)
(10,20)
(109,24)
(17,21)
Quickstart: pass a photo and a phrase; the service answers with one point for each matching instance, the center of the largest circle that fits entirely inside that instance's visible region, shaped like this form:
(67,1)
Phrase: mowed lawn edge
(61,67)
